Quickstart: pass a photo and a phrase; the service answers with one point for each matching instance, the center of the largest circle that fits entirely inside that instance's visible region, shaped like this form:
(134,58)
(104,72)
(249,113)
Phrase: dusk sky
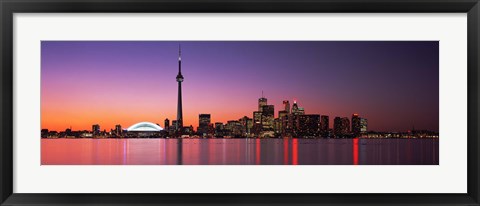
(395,85)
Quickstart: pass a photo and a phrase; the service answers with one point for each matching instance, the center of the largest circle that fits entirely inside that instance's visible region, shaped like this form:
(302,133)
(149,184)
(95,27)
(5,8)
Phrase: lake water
(239,151)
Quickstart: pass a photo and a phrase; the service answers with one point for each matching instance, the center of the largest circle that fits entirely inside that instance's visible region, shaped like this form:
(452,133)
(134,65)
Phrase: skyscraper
(359,125)
(286,125)
(286,106)
(324,124)
(345,126)
(337,126)
(118,130)
(179,124)
(363,126)
(262,102)
(277,125)
(219,129)
(173,128)
(297,110)
(247,124)
(257,122)
(308,125)
(203,124)
(355,124)
(281,115)
(295,107)
(268,112)
(167,124)
(301,110)
(234,128)
(96,129)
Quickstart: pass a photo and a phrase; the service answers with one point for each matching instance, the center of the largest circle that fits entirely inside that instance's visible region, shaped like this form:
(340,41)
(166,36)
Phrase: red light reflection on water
(294,151)
(257,155)
(355,151)
(285,151)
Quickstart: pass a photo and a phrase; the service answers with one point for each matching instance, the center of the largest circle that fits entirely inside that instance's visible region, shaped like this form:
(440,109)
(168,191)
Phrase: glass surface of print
(240,102)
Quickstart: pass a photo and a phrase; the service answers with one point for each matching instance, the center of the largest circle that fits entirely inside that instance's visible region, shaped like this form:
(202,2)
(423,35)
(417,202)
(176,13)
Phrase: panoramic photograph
(239,103)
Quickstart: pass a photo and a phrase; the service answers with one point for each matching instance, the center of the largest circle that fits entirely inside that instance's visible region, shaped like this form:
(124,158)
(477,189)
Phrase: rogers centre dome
(144,127)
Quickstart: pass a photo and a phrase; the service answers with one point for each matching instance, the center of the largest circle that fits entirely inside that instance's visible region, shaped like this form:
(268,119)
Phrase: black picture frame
(9,7)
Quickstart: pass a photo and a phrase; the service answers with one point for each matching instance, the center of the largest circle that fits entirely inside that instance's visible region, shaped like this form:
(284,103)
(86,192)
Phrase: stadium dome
(144,127)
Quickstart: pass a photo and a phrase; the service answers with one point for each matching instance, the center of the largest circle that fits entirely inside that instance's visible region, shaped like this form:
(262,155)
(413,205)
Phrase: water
(239,151)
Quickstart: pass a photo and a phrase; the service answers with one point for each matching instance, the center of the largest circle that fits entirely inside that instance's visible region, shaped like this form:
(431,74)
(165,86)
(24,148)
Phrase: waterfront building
(219,129)
(44,133)
(355,124)
(173,128)
(337,126)
(281,115)
(345,128)
(144,129)
(68,131)
(247,124)
(203,124)
(293,124)
(277,125)
(296,110)
(301,111)
(363,126)
(167,124)
(219,125)
(324,124)
(268,112)
(359,125)
(257,117)
(286,129)
(308,125)
(257,122)
(286,106)
(261,102)
(186,131)
(96,129)
(118,130)
(234,128)
(295,107)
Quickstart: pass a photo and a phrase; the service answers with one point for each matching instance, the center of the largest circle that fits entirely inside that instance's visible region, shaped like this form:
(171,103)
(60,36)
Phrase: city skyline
(111,83)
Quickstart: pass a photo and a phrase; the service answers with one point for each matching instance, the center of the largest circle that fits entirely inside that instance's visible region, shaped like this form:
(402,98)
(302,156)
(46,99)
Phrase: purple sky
(395,85)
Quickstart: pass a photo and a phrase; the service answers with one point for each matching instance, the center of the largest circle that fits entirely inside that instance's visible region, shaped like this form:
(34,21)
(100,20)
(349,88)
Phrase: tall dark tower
(179,80)
(262,102)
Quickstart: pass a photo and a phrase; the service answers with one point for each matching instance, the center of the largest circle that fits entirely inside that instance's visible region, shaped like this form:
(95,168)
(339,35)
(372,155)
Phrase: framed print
(259,102)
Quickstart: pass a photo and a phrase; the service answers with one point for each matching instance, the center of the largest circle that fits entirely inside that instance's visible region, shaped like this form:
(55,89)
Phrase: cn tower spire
(180,59)
(179,125)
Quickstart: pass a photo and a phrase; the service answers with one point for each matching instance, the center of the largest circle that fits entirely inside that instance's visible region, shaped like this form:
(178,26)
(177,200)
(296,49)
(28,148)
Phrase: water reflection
(355,151)
(239,151)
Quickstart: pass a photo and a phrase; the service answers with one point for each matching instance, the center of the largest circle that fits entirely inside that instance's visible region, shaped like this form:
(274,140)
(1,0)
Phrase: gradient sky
(395,85)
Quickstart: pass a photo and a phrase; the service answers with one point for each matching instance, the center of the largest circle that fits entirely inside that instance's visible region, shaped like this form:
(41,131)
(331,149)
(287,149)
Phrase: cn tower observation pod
(144,127)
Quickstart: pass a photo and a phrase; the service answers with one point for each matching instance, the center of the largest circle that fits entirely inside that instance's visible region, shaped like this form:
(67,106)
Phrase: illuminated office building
(286,106)
(261,102)
(355,124)
(203,124)
(324,124)
(363,126)
(308,125)
(268,112)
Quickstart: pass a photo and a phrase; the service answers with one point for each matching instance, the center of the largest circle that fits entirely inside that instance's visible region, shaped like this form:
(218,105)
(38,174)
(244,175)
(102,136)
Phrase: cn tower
(179,80)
